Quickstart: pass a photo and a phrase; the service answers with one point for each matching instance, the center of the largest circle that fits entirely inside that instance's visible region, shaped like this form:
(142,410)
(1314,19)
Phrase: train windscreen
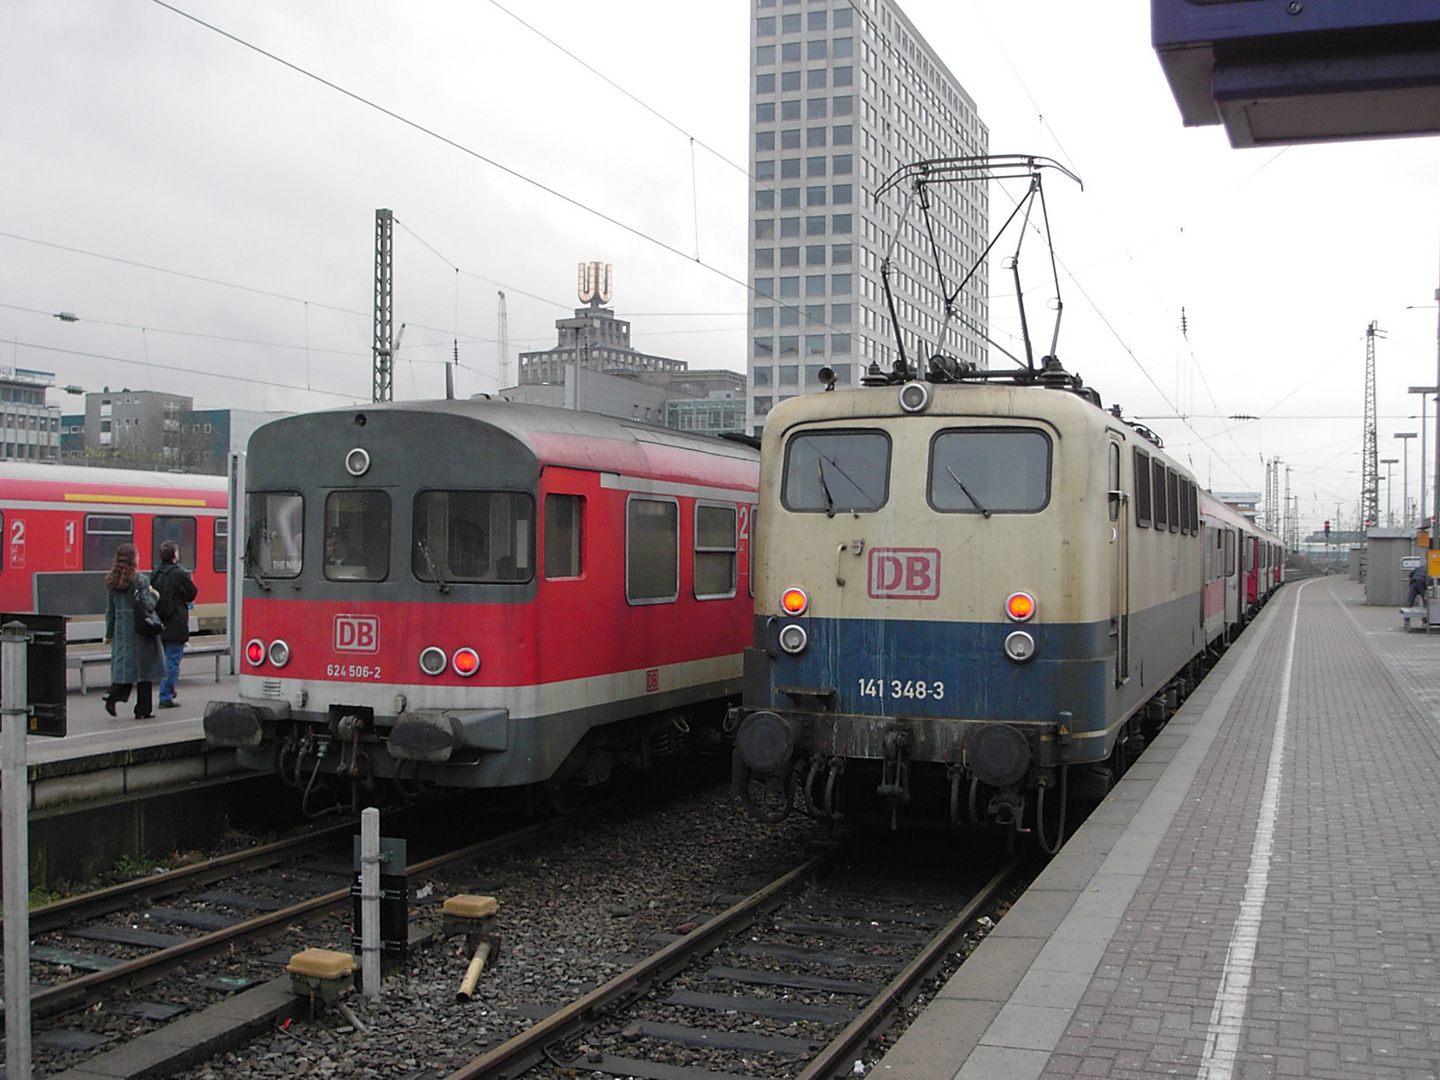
(277,533)
(990,471)
(474,536)
(357,535)
(833,471)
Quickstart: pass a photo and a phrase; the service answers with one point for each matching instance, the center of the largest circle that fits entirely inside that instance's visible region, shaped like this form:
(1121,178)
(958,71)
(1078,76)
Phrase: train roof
(576,439)
(75,483)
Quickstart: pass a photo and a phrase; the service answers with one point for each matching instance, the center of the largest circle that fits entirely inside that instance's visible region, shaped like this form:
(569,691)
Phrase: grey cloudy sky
(208,212)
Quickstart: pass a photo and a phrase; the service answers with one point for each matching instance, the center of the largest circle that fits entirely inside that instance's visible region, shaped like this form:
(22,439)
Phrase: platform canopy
(1277,72)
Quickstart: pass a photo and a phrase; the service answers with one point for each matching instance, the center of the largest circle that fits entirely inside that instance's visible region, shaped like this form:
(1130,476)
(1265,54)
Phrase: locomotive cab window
(181,530)
(357,536)
(1142,488)
(564,515)
(277,533)
(474,536)
(715,551)
(990,471)
(104,533)
(836,471)
(652,550)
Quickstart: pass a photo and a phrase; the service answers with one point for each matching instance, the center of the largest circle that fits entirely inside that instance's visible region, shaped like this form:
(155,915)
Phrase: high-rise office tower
(842,94)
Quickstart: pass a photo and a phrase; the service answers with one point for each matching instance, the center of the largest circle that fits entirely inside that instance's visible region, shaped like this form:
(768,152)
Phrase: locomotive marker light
(357,462)
(279,652)
(793,638)
(255,652)
(915,397)
(433,661)
(1020,606)
(794,601)
(1020,646)
(466,662)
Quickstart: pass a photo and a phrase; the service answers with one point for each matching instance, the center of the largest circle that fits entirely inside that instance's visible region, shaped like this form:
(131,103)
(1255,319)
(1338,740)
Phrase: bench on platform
(218,649)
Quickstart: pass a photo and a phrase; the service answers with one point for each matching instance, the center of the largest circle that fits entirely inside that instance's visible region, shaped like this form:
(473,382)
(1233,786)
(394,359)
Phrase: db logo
(904,573)
(652,681)
(357,633)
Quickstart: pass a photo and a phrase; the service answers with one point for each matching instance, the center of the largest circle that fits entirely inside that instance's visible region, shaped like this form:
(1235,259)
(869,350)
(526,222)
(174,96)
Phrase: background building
(593,367)
(841,95)
(29,428)
(145,429)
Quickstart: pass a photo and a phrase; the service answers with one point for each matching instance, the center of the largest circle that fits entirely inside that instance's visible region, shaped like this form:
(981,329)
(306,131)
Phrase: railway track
(267,889)
(865,954)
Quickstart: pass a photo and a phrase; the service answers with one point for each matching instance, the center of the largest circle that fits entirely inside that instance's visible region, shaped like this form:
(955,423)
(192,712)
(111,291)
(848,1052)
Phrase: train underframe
(1017,777)
(344,760)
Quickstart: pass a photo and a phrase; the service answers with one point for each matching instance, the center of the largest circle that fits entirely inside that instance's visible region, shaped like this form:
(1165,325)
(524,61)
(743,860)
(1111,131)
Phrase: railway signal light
(1327,532)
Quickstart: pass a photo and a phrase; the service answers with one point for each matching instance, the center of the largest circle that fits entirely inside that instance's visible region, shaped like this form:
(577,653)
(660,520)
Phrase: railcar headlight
(433,661)
(279,653)
(357,462)
(1020,606)
(794,601)
(914,397)
(466,662)
(1020,646)
(793,638)
(255,652)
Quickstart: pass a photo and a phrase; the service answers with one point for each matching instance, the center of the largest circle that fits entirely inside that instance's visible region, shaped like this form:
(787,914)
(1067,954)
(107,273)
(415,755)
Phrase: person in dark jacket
(177,589)
(134,658)
(1419,585)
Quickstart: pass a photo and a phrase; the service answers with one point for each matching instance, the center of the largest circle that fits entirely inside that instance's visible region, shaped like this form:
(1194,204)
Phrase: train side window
(715,551)
(1229,552)
(179,529)
(1142,488)
(1158,493)
(104,533)
(831,471)
(474,536)
(652,550)
(990,470)
(277,533)
(1194,512)
(1209,560)
(221,550)
(357,535)
(1172,482)
(564,517)
(1114,480)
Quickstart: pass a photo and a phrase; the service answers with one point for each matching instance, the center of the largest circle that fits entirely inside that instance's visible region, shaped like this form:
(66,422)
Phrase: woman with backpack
(132,628)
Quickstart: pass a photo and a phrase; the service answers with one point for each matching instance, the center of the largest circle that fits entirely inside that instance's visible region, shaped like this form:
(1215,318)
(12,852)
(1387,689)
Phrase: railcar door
(1119,568)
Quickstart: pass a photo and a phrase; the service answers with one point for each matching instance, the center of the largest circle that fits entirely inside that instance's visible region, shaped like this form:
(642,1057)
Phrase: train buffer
(83,660)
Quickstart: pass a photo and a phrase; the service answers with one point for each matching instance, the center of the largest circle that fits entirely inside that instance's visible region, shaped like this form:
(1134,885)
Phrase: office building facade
(29,428)
(842,94)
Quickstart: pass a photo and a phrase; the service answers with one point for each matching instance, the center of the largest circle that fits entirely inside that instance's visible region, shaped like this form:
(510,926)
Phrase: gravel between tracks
(573,913)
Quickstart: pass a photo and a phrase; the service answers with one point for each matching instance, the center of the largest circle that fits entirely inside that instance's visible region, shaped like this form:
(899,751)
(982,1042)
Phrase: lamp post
(1405,437)
(1389,502)
(1422,391)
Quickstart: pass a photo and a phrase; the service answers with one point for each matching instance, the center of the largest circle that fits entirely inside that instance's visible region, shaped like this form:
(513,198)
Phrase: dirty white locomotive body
(956,603)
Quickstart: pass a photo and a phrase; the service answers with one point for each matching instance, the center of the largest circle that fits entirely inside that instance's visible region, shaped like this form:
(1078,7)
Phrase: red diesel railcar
(478,594)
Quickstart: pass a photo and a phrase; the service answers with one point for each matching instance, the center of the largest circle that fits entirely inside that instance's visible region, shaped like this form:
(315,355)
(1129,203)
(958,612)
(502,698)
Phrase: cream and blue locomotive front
(952,598)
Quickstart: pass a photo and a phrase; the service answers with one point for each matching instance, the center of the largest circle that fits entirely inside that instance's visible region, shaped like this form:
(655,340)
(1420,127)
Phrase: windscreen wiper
(983,512)
(440,585)
(824,487)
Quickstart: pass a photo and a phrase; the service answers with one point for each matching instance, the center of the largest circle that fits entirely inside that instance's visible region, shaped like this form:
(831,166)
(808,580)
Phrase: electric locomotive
(481,594)
(972,596)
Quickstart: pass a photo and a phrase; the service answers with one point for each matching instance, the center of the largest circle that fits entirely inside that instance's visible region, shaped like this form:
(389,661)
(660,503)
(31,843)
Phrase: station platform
(103,756)
(1258,897)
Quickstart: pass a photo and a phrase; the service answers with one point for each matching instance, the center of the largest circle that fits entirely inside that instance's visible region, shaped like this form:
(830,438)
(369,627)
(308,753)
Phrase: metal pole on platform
(370,903)
(15,847)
